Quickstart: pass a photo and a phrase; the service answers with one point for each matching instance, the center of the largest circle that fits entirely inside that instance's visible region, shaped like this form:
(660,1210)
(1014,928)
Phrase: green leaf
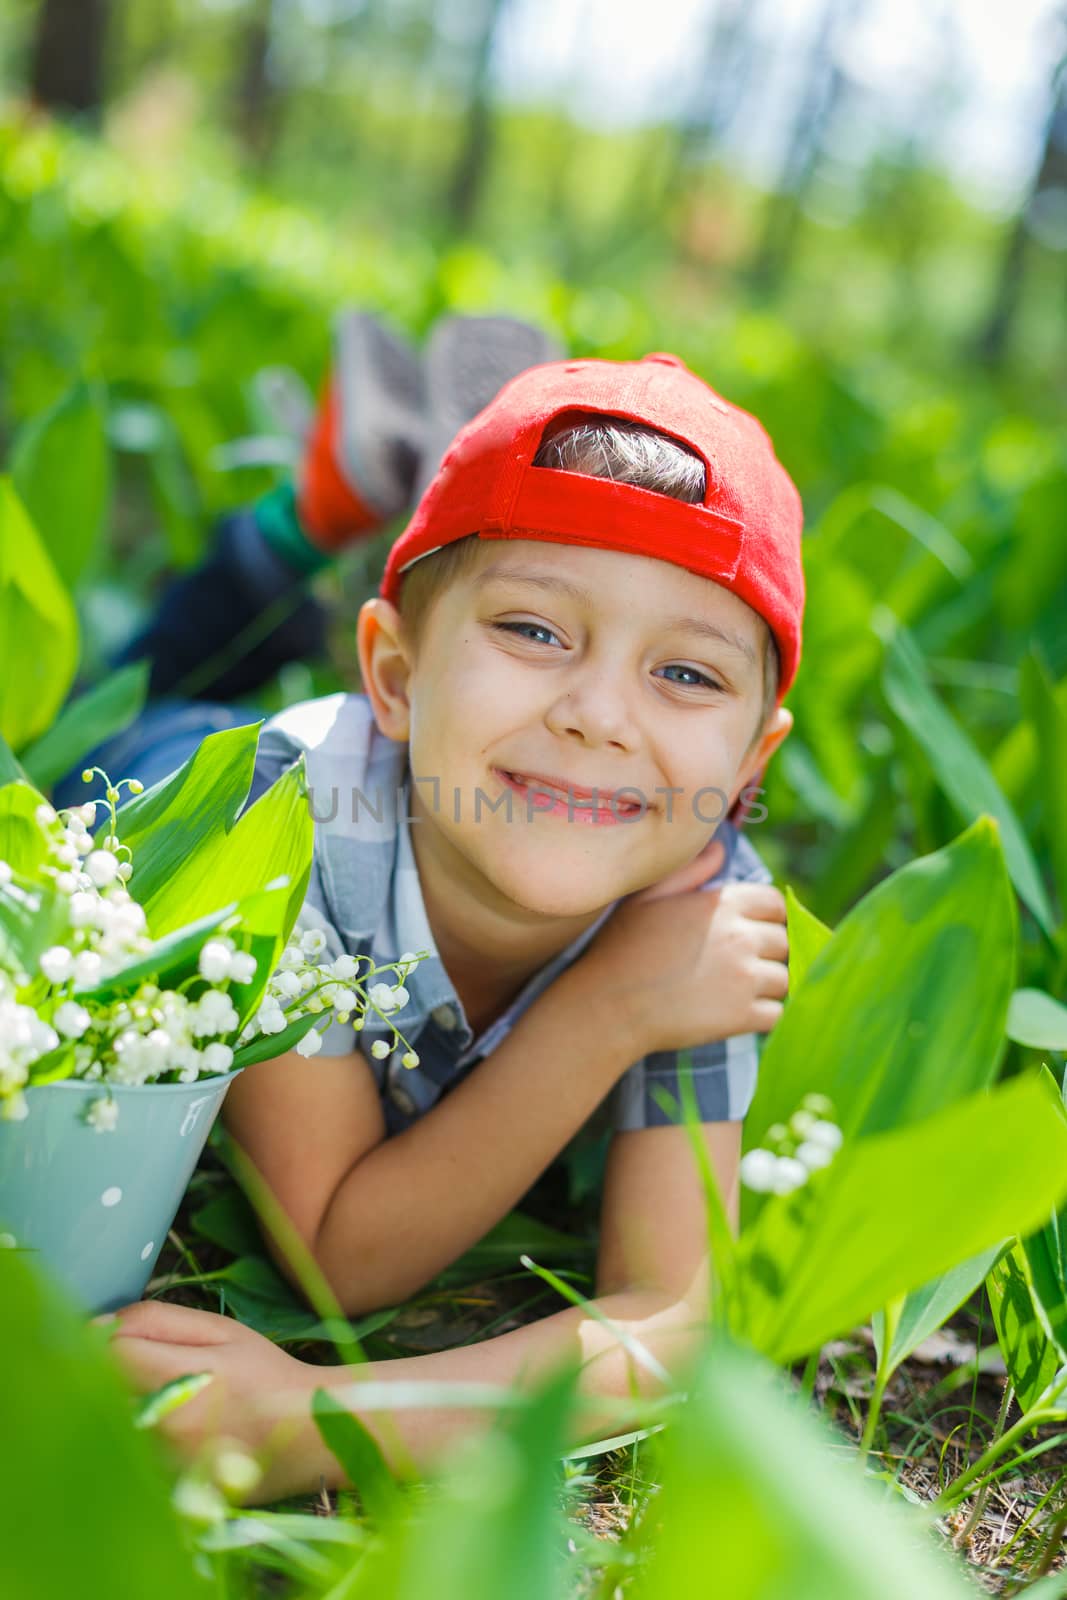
(925,1309)
(192,850)
(494,1525)
(1035,1019)
(228,1220)
(360,1454)
(60,465)
(23,840)
(885,1218)
(94,716)
(807,936)
(67,1424)
(188,811)
(1048,719)
(757,1502)
(515,1235)
(55,1066)
(271,1045)
(161,1402)
(903,1010)
(32,919)
(259,1297)
(1031,1352)
(38,628)
(11,770)
(962,773)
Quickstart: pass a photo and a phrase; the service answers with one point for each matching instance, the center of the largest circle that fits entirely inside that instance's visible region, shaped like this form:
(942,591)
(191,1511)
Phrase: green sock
(279,524)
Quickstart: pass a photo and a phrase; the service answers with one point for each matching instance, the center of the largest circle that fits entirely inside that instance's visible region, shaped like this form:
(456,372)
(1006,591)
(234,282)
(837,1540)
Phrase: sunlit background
(848,215)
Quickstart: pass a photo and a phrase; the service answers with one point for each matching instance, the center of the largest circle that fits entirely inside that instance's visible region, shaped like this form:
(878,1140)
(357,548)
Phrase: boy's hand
(692,965)
(156,1342)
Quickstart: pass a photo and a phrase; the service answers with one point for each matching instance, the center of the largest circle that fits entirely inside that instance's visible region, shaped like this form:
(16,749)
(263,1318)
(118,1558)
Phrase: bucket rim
(102,1086)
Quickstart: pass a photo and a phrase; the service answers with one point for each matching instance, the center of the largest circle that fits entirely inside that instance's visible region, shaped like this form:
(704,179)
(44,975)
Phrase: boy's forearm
(415,1437)
(419,1199)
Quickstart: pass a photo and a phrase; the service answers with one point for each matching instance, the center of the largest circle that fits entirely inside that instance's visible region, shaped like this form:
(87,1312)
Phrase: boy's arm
(384,1216)
(653,1217)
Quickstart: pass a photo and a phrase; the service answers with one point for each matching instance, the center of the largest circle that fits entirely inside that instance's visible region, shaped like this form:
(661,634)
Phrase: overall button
(445,1016)
(400,1097)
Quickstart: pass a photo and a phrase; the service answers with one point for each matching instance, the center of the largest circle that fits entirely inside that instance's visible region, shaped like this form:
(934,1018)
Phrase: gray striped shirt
(365,897)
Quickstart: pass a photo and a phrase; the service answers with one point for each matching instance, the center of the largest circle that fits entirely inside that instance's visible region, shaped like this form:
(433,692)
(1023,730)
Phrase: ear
(776,731)
(385,664)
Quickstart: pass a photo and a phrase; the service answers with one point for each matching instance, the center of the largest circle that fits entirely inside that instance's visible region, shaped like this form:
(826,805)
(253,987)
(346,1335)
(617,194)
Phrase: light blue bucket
(96,1207)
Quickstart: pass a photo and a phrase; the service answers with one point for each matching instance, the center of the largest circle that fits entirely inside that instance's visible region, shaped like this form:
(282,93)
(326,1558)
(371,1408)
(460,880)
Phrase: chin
(562,892)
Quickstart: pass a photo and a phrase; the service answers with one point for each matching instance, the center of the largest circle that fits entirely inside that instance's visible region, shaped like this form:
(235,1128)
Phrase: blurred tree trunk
(823,85)
(1051,174)
(67,64)
(730,50)
(256,99)
(472,163)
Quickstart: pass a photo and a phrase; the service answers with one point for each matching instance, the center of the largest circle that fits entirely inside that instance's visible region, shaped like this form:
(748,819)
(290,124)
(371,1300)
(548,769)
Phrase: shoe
(467,362)
(358,469)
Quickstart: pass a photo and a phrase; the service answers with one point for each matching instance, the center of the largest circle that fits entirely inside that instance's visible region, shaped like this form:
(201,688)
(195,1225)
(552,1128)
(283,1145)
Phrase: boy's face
(590,668)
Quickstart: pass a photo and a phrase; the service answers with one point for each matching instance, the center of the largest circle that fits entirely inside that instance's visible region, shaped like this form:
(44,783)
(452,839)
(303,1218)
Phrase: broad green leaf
(194,854)
(925,1309)
(807,936)
(188,811)
(1035,1019)
(1049,722)
(84,723)
(360,1454)
(60,465)
(903,1010)
(38,628)
(756,1503)
(33,917)
(963,774)
(23,840)
(1031,1352)
(11,770)
(67,1424)
(886,1217)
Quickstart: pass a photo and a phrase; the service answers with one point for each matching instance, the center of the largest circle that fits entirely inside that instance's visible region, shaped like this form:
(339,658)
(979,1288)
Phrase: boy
(643,529)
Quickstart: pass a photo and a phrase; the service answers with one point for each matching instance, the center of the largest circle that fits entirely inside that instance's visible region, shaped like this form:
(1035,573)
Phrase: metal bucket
(95,1207)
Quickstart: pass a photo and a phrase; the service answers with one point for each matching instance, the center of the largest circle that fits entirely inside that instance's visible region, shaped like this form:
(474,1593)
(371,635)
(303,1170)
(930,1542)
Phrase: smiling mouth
(595,801)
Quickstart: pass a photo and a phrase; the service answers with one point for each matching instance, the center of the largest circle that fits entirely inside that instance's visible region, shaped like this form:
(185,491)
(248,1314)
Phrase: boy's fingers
(171,1324)
(150,1363)
(764,903)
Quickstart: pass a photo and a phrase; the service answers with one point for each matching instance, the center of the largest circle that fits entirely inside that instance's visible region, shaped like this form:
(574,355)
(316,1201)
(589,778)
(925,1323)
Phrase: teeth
(599,804)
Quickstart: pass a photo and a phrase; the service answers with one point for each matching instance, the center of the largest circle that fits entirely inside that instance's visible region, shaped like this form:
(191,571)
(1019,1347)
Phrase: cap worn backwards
(745,535)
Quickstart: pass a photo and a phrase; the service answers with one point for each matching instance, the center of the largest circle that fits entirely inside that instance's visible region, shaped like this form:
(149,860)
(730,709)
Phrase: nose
(594,709)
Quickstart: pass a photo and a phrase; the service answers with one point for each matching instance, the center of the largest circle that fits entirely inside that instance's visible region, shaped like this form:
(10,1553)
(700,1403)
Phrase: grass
(942,1406)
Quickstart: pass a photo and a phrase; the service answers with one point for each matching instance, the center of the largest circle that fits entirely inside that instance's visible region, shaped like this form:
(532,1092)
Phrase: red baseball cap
(745,535)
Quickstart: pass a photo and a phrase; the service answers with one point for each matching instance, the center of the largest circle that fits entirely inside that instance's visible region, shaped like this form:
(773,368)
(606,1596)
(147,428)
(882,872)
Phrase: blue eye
(704,681)
(513,627)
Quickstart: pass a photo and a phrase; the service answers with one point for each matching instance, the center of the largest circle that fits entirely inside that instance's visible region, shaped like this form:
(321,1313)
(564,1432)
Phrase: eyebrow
(553,584)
